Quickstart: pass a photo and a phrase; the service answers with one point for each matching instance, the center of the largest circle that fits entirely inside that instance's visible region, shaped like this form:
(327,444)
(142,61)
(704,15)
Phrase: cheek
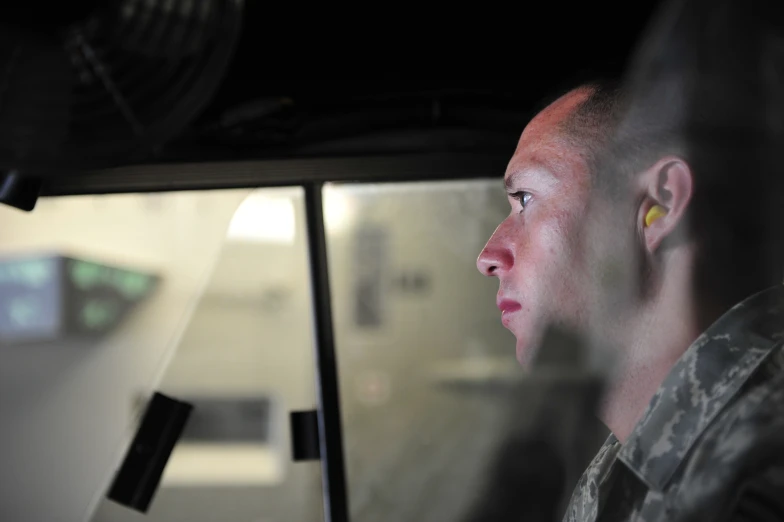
(545,255)
(612,245)
(565,260)
(549,247)
(560,239)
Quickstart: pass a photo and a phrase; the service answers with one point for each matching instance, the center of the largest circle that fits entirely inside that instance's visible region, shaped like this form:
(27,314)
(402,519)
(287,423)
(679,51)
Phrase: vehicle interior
(238,245)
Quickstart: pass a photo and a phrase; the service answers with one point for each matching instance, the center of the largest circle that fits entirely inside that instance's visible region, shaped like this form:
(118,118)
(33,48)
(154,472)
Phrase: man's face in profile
(540,252)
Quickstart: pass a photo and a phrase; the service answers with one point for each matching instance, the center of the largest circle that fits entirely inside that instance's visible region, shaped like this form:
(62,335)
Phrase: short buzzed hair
(592,124)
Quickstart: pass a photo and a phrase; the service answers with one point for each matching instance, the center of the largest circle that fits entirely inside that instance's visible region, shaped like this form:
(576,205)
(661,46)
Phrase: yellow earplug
(653,214)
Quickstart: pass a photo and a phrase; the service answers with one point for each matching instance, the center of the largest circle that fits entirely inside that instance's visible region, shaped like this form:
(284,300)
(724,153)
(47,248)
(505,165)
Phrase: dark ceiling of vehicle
(386,78)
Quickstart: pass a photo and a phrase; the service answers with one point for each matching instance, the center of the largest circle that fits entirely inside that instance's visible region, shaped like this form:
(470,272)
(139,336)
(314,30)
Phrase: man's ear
(667,188)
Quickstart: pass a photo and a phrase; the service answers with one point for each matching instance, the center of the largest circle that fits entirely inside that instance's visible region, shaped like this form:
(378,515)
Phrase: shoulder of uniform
(741,448)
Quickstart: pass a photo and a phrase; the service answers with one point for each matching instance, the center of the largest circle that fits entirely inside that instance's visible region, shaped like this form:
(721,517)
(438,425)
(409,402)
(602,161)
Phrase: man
(650,220)
(623,230)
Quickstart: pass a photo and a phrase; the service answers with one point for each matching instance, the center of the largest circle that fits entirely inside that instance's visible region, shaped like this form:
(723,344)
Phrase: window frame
(311,174)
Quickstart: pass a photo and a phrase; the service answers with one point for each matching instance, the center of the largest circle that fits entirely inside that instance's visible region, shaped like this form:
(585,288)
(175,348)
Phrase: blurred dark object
(710,75)
(137,479)
(229,420)
(708,84)
(371,247)
(100,84)
(305,442)
(527,484)
(50,297)
(19,191)
(546,444)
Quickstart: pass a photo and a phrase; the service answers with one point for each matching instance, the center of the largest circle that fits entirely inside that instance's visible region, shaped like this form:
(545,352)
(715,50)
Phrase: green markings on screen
(56,295)
(29,272)
(85,276)
(98,313)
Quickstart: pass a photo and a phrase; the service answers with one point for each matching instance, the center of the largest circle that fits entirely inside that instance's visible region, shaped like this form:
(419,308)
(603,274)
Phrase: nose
(496,257)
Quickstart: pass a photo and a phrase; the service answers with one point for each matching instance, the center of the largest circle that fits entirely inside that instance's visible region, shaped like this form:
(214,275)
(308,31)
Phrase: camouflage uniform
(710,446)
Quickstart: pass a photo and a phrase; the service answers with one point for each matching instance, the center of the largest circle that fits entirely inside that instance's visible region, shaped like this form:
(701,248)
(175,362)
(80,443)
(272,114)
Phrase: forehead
(545,150)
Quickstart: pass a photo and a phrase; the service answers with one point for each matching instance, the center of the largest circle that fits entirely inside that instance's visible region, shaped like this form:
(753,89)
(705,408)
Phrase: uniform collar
(701,384)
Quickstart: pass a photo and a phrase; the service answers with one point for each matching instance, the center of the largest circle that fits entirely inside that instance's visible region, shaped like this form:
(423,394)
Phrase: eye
(521,196)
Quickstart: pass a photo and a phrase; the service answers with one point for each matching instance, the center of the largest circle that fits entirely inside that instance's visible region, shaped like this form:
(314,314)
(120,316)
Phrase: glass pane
(203,296)
(421,349)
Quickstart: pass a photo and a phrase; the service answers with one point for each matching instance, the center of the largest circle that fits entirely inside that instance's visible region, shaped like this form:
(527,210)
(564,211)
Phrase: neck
(662,329)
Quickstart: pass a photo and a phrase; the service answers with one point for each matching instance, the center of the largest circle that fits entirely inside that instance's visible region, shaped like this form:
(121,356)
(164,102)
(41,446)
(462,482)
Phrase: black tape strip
(305,436)
(138,478)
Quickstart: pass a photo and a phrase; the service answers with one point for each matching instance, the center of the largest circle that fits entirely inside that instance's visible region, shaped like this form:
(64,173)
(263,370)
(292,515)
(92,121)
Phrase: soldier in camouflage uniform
(711,444)
(650,220)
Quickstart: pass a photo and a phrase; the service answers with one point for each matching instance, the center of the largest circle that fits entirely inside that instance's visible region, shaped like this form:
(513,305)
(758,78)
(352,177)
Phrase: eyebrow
(513,178)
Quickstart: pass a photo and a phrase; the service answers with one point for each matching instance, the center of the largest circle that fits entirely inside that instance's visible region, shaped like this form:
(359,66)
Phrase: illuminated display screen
(47,297)
(100,295)
(30,298)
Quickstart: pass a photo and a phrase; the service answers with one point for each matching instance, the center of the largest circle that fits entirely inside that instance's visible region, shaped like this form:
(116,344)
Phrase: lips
(507,307)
